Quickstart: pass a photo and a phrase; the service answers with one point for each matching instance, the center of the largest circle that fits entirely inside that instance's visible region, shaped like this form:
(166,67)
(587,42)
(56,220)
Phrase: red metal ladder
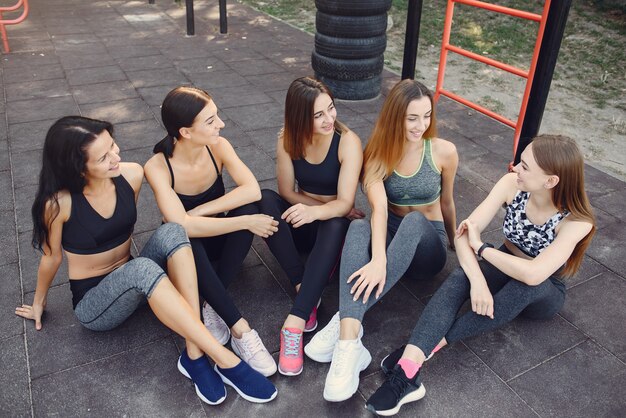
(528,75)
(3,21)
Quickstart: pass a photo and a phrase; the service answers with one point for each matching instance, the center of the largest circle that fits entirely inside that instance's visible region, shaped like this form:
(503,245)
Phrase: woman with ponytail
(186,176)
(548,225)
(86,206)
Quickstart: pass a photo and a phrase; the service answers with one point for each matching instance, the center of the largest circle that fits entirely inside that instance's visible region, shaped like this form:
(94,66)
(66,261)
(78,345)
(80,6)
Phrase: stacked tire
(350,41)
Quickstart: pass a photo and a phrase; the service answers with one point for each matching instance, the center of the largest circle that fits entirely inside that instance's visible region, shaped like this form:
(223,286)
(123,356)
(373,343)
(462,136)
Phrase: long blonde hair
(560,156)
(384,148)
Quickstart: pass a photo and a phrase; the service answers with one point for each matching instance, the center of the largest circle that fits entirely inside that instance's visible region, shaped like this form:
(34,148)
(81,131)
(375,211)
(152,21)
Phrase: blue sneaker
(209,386)
(250,384)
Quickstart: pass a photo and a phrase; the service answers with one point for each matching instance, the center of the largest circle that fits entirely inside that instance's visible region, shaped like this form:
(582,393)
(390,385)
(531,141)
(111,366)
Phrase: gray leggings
(123,290)
(415,246)
(511,298)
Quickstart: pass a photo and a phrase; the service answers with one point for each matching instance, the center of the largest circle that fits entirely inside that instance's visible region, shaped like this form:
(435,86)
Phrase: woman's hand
(262,225)
(31,312)
(299,214)
(369,276)
(482,300)
(473,233)
(355,214)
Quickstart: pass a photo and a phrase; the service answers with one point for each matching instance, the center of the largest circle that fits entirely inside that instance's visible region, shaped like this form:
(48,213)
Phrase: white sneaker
(251,350)
(321,346)
(215,324)
(350,358)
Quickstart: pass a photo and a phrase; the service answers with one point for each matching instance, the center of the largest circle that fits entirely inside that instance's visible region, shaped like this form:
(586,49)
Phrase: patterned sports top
(531,239)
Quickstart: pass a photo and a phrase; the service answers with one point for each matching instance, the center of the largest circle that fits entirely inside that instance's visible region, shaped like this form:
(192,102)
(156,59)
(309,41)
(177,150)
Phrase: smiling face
(103,157)
(530,177)
(206,126)
(417,119)
(324,115)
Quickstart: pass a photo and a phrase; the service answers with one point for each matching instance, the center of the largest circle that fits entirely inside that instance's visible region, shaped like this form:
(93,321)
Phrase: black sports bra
(215,191)
(322,178)
(87,232)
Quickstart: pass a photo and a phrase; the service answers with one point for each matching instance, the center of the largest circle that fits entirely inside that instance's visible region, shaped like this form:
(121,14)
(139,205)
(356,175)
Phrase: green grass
(592,54)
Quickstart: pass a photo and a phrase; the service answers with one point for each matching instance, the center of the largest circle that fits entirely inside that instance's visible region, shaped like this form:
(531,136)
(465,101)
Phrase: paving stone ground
(116,60)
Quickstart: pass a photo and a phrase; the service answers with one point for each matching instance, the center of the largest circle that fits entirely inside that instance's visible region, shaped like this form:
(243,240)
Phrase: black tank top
(87,232)
(215,191)
(322,178)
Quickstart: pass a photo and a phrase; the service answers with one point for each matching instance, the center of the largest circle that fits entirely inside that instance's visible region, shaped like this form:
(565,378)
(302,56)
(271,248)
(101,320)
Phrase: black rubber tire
(353,7)
(350,48)
(352,90)
(343,69)
(351,26)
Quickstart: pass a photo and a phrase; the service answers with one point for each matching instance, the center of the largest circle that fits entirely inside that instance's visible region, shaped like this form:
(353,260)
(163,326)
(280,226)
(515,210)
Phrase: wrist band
(479,253)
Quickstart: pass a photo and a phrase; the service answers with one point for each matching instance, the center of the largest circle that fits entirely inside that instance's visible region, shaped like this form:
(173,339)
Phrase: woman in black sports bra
(323,157)
(86,206)
(186,176)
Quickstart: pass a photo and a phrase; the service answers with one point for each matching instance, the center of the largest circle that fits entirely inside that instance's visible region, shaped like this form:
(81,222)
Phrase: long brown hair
(297,132)
(384,149)
(560,156)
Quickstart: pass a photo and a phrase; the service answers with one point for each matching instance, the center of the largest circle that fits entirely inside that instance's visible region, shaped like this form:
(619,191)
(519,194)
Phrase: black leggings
(511,298)
(323,239)
(218,260)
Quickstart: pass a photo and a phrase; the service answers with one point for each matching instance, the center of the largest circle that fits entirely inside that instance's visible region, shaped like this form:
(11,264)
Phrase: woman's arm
(374,273)
(198,226)
(247,190)
(133,173)
(535,271)
(49,263)
(449,164)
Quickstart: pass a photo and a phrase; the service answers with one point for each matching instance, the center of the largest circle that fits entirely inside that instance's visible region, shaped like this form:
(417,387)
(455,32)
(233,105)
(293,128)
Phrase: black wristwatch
(479,253)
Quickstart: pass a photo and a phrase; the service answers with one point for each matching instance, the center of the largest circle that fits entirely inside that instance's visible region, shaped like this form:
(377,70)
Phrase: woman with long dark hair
(547,227)
(186,176)
(408,176)
(86,206)
(323,158)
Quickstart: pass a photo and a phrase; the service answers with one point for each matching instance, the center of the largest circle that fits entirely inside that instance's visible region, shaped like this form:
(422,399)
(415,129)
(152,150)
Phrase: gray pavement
(116,60)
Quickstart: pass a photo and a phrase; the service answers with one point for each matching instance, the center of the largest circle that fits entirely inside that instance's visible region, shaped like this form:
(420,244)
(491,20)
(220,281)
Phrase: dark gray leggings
(416,246)
(511,298)
(123,290)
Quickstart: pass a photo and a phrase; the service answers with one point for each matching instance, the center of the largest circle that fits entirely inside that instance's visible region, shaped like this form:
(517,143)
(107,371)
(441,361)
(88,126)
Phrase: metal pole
(411,38)
(548,54)
(223,16)
(190,19)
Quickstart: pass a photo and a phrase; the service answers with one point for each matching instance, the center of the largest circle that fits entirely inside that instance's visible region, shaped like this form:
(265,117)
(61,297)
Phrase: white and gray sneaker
(251,350)
(215,324)
(321,346)
(350,358)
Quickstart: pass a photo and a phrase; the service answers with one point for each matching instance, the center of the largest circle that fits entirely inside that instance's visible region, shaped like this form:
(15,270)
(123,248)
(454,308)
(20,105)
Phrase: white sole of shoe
(364,361)
(289,373)
(243,395)
(416,395)
(182,370)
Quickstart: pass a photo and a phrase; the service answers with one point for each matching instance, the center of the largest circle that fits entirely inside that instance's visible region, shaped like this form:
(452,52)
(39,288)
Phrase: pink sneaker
(291,358)
(311,324)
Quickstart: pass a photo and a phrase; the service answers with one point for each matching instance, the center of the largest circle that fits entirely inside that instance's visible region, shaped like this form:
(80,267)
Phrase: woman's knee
(359,228)
(143,274)
(248,209)
(335,227)
(413,221)
(164,242)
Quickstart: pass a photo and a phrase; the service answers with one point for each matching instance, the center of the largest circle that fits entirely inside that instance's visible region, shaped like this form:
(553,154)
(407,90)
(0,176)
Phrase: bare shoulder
(133,173)
(507,186)
(155,164)
(350,137)
(64,200)
(443,148)
(350,144)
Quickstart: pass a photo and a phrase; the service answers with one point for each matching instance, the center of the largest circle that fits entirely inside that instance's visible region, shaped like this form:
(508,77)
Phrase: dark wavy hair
(62,168)
(179,109)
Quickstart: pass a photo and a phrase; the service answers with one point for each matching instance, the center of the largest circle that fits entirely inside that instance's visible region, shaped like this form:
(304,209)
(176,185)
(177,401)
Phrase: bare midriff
(431,212)
(84,266)
(321,198)
(516,251)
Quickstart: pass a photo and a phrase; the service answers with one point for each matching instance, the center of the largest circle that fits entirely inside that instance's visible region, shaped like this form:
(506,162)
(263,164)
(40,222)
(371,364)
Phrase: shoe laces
(252,344)
(341,359)
(292,342)
(211,318)
(396,383)
(330,332)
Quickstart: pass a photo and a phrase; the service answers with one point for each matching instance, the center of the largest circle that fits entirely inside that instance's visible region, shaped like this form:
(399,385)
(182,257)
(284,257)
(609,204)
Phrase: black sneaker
(389,362)
(396,391)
